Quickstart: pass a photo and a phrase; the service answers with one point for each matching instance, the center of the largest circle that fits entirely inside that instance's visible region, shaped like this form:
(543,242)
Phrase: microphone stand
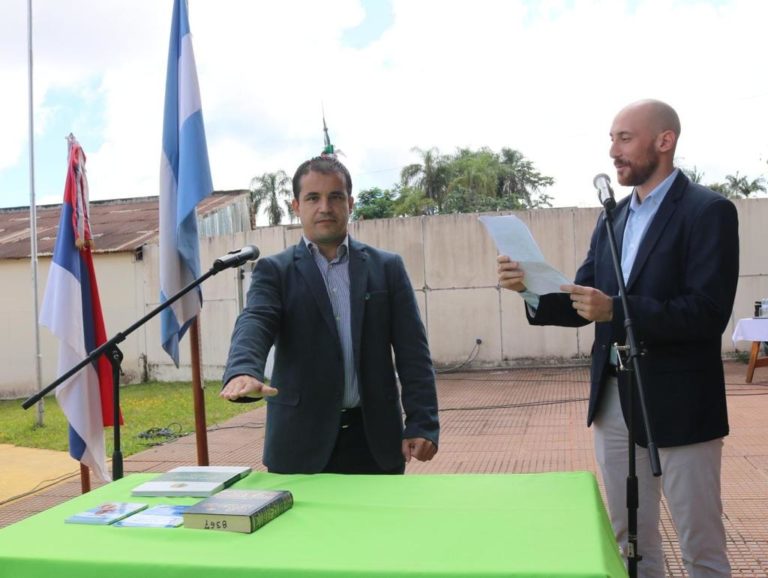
(635,381)
(115,357)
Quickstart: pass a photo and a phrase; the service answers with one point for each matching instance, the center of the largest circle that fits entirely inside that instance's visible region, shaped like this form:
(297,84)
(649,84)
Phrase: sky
(543,77)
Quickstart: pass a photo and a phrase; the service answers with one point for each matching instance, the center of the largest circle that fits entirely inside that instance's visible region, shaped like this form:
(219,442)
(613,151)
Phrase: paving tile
(512,421)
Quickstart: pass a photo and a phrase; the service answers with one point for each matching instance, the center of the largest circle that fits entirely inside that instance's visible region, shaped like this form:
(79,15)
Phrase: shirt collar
(341,253)
(656,196)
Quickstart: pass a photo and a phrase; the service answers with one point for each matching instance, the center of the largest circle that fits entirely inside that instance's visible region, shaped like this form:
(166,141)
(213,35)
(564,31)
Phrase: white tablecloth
(751,329)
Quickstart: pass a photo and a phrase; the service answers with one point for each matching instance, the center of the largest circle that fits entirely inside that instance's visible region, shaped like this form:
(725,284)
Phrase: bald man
(679,249)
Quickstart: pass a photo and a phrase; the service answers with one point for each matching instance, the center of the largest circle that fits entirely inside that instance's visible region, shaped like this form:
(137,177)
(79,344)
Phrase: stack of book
(231,510)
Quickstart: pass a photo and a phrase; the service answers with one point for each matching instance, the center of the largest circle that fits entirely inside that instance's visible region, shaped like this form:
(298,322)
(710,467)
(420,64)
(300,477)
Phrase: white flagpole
(33,218)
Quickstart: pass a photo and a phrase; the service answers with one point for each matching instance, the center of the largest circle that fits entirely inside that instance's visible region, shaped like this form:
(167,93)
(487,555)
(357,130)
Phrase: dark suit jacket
(680,293)
(288,305)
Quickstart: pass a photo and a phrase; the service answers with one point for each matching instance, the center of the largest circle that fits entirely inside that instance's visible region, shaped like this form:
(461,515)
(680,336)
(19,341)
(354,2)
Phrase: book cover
(192,481)
(238,510)
(106,513)
(162,516)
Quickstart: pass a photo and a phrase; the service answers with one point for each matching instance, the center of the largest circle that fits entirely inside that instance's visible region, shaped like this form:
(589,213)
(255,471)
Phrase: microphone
(236,258)
(604,191)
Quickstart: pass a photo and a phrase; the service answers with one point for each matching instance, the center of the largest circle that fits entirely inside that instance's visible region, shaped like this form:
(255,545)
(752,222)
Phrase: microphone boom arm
(115,356)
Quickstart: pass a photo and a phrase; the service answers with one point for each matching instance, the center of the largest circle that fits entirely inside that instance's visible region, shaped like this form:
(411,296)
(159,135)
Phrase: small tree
(374,204)
(267,191)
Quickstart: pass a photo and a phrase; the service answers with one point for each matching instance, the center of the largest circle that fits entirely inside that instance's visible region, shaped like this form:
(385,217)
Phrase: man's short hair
(325,164)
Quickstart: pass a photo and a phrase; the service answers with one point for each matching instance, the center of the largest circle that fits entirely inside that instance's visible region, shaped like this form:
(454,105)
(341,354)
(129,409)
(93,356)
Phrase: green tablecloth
(427,526)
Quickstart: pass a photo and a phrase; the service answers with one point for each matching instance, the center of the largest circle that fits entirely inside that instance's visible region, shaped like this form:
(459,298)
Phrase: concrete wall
(452,265)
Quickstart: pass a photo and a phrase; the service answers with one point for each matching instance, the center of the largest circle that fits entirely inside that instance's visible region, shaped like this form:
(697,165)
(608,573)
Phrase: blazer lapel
(308,269)
(620,223)
(657,226)
(358,282)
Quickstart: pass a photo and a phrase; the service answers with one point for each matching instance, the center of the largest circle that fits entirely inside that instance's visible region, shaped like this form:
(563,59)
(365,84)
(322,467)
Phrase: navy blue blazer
(288,305)
(680,293)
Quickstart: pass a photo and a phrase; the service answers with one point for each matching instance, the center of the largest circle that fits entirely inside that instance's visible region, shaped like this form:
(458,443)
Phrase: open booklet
(514,239)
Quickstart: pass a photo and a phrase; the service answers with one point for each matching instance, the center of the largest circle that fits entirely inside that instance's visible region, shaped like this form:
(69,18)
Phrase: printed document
(514,239)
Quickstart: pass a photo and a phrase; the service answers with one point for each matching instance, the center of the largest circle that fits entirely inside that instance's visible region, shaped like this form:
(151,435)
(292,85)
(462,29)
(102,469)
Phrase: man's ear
(295,205)
(666,140)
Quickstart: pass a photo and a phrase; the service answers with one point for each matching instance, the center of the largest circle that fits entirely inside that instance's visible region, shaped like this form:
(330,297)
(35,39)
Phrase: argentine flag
(72,311)
(185,180)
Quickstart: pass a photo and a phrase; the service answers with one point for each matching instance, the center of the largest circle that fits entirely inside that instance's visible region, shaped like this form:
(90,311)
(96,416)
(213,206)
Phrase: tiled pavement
(515,421)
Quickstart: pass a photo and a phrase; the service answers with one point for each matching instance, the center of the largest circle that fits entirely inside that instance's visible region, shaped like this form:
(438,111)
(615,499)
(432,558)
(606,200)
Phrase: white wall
(451,262)
(122,290)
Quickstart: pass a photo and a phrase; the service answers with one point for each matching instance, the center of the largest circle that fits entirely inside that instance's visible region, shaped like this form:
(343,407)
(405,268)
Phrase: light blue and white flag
(185,180)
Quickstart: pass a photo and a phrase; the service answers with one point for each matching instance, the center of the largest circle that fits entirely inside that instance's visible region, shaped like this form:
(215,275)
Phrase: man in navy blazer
(337,311)
(679,249)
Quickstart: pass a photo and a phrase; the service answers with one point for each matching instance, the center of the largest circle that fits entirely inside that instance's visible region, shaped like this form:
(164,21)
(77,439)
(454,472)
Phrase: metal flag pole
(33,219)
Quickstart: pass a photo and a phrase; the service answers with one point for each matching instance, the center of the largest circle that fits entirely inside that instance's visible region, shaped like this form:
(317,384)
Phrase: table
(475,525)
(754,329)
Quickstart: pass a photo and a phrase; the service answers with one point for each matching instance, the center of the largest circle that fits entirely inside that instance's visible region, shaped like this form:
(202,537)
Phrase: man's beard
(640,173)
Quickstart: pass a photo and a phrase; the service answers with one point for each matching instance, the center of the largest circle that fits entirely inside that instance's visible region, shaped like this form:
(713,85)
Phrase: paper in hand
(512,238)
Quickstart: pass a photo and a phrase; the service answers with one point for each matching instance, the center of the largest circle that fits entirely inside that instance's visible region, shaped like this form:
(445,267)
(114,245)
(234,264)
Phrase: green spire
(328,149)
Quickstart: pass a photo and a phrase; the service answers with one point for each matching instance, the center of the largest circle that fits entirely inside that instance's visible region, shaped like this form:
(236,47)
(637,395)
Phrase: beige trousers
(690,481)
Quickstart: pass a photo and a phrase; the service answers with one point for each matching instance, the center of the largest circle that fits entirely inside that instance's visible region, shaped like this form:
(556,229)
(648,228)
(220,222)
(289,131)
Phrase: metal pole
(33,219)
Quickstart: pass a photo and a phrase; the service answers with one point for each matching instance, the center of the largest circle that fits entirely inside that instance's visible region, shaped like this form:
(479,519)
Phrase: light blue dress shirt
(336,276)
(638,219)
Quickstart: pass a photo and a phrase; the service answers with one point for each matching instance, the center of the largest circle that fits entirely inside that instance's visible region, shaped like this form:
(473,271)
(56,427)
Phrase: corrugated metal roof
(117,225)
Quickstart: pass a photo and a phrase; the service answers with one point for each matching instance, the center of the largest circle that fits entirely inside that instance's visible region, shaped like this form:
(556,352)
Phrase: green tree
(428,176)
(694,174)
(743,187)
(738,186)
(521,181)
(412,202)
(374,203)
(475,172)
(267,192)
(483,180)
(721,188)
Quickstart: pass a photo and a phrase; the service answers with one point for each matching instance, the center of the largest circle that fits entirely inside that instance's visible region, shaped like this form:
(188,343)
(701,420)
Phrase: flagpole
(185,180)
(33,217)
(201,431)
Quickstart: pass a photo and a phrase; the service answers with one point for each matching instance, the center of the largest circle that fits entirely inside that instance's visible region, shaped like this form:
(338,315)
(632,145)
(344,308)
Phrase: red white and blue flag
(72,311)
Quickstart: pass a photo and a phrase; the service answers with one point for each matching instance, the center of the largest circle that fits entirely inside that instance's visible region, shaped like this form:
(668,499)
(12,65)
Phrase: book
(192,481)
(162,516)
(238,510)
(106,513)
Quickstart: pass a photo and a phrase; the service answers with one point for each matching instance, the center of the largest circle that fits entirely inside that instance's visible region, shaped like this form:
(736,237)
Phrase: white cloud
(545,78)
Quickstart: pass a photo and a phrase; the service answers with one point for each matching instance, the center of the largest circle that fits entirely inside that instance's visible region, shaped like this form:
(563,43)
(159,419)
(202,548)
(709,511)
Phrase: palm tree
(267,191)
(475,172)
(740,186)
(429,176)
(694,174)
(521,181)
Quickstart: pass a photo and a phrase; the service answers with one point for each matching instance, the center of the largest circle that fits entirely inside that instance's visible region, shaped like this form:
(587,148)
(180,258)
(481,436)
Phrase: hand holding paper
(513,239)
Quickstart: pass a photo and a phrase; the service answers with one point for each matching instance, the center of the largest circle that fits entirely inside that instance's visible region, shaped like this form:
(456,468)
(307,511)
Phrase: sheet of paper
(512,238)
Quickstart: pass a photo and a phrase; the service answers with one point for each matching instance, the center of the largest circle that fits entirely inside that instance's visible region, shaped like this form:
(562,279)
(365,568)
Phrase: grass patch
(146,408)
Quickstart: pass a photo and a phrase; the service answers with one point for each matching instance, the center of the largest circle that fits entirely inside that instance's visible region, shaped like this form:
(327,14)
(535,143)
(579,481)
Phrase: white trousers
(691,483)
